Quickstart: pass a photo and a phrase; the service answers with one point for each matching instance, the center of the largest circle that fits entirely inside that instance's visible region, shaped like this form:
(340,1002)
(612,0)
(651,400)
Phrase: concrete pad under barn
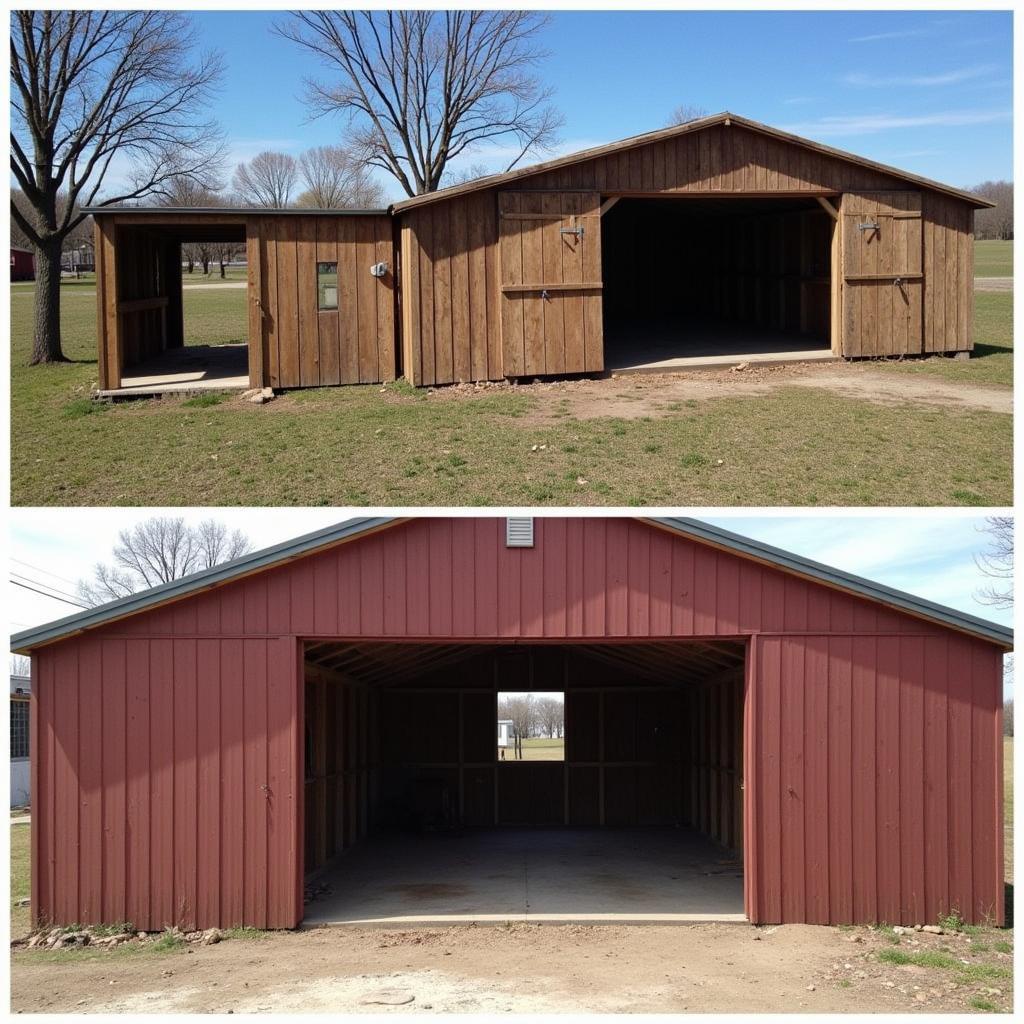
(187,368)
(657,347)
(537,875)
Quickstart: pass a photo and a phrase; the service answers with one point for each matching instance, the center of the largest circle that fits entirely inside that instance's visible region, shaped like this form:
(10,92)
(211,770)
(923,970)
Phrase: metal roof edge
(28,639)
(858,585)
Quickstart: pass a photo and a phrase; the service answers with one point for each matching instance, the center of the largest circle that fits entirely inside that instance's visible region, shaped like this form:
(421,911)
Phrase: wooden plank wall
(877,762)
(948,274)
(451,292)
(167,786)
(304,347)
(340,765)
(147,323)
(713,745)
(768,270)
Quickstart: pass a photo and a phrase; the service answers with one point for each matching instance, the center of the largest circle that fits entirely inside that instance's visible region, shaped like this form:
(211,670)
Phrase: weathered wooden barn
(720,239)
(329,705)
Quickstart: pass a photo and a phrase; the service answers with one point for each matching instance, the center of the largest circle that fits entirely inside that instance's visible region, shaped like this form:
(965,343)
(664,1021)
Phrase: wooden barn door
(883,283)
(551,313)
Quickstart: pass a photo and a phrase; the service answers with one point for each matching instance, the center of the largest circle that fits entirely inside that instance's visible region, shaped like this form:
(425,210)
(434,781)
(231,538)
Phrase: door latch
(545,294)
(869,226)
(578,232)
(898,282)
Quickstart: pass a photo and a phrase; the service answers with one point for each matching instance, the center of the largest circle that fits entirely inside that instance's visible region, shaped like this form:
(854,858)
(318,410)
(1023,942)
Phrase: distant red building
(23,264)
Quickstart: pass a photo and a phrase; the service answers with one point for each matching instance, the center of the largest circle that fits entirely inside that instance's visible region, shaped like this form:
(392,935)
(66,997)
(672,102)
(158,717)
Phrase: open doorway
(694,282)
(183,327)
(411,817)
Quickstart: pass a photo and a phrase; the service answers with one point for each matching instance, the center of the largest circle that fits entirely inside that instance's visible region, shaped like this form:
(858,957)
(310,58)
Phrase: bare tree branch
(685,113)
(88,87)
(268,179)
(997,562)
(418,88)
(159,550)
(337,180)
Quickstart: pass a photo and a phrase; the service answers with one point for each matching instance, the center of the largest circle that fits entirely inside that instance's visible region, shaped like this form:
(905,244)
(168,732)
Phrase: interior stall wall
(340,763)
(166,785)
(713,745)
(148,295)
(765,270)
(876,793)
(304,346)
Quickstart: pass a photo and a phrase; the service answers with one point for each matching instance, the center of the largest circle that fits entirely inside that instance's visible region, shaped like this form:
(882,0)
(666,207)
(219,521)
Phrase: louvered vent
(519,532)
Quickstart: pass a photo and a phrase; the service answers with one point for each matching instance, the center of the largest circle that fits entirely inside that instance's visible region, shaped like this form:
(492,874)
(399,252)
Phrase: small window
(531,726)
(19,728)
(327,286)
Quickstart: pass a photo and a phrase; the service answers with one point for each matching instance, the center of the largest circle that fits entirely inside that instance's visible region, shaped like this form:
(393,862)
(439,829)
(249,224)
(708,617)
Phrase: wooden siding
(723,161)
(948,274)
(307,347)
(154,732)
(168,782)
(876,793)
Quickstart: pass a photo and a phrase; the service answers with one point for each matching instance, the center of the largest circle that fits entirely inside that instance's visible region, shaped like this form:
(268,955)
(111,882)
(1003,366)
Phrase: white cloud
(905,33)
(869,124)
(942,78)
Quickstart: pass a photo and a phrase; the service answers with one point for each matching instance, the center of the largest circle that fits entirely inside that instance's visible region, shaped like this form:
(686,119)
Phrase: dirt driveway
(639,395)
(529,968)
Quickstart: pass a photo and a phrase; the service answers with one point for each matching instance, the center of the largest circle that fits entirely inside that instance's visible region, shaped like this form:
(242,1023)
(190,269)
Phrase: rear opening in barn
(181,326)
(712,281)
(431,797)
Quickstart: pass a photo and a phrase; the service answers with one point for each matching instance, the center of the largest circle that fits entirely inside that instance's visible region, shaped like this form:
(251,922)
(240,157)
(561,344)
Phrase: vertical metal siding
(872,755)
(170,785)
(860,814)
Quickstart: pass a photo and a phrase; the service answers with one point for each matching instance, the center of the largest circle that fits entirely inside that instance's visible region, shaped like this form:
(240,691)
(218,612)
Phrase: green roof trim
(71,625)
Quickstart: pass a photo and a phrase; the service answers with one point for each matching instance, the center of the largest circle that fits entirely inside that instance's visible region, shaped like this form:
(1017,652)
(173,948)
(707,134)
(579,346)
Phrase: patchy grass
(21,878)
(244,933)
(986,1006)
(205,400)
(924,958)
(399,446)
(991,361)
(993,258)
(215,316)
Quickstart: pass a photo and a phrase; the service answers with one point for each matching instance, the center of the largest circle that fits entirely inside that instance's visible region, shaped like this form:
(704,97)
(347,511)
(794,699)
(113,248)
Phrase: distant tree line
(996,223)
(533,716)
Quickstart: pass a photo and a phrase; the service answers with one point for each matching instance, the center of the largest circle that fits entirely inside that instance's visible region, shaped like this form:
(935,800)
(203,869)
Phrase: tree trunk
(222,274)
(46,347)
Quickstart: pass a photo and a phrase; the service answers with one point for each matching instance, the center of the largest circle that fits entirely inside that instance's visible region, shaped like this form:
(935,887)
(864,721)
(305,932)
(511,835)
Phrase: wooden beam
(828,207)
(608,204)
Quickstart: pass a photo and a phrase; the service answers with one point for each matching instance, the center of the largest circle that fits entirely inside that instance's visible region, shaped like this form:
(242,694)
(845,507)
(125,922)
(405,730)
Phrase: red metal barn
(201,749)
(23,264)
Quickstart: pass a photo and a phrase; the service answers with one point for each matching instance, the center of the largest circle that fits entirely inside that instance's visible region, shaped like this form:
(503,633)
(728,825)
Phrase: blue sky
(928,91)
(932,556)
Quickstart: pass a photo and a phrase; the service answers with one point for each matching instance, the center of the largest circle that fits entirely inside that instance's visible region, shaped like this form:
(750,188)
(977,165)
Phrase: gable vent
(519,532)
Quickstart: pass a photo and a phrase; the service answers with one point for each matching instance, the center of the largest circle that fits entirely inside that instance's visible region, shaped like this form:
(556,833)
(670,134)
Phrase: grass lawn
(391,446)
(21,917)
(540,750)
(993,259)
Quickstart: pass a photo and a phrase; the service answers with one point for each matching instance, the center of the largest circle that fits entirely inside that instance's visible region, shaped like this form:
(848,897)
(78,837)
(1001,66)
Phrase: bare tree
(421,87)
(158,550)
(471,173)
(521,710)
(551,716)
(186,192)
(21,665)
(998,221)
(685,113)
(337,180)
(86,87)
(997,562)
(268,179)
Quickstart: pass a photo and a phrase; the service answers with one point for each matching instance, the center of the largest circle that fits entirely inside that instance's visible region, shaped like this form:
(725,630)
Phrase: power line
(53,596)
(42,583)
(45,572)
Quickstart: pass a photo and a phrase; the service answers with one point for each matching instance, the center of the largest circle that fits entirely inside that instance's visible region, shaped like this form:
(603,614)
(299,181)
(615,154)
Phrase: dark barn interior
(700,278)
(155,345)
(409,815)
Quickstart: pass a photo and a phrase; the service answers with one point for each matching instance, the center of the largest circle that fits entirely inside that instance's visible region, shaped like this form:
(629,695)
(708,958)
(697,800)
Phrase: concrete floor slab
(187,369)
(656,347)
(556,875)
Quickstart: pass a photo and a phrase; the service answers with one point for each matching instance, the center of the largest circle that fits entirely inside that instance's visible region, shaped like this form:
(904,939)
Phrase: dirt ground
(639,395)
(726,968)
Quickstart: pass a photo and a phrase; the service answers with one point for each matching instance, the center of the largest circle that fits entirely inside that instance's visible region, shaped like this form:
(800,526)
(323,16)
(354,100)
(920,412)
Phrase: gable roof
(725,118)
(351,529)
